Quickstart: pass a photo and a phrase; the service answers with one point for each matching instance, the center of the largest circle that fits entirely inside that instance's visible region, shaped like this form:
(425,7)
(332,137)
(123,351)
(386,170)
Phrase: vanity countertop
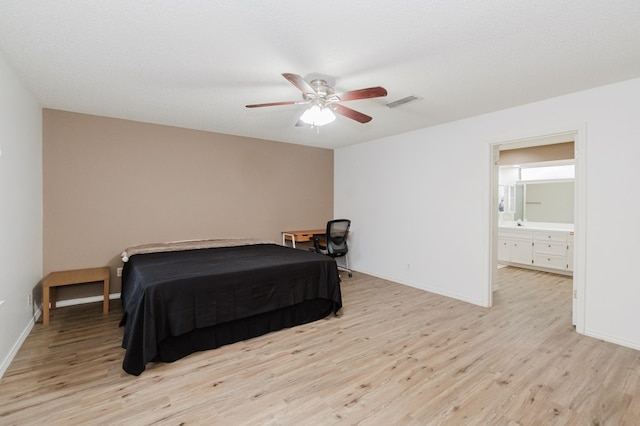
(538,226)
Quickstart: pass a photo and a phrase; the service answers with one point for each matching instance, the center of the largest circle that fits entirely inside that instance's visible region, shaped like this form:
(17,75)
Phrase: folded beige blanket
(188,245)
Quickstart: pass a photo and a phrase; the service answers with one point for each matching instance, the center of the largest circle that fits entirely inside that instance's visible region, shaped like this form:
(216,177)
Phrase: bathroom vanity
(545,247)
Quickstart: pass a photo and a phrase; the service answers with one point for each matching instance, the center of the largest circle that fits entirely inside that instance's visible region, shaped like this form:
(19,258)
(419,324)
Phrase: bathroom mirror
(545,201)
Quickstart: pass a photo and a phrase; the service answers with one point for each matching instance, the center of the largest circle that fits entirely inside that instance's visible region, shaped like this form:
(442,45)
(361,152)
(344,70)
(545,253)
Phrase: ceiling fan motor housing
(322,90)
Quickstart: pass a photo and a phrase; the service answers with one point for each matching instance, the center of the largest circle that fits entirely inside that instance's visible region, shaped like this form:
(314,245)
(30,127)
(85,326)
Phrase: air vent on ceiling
(403,101)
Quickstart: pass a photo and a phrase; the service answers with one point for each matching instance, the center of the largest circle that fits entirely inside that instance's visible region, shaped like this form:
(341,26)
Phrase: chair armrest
(319,243)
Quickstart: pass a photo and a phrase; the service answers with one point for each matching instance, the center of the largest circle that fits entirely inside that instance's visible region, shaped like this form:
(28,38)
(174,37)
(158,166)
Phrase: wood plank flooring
(394,355)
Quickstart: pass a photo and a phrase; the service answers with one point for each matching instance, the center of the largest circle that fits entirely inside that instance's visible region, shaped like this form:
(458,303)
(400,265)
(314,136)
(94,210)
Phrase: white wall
(20,209)
(407,208)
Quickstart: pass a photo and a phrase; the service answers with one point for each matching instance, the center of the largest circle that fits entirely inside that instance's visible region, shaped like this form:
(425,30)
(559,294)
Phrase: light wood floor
(395,355)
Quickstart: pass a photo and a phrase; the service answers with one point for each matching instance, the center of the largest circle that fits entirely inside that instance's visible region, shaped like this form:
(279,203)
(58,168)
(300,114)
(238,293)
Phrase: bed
(178,299)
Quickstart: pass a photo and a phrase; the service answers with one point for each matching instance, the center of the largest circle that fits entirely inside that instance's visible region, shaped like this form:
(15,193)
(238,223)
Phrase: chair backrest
(336,237)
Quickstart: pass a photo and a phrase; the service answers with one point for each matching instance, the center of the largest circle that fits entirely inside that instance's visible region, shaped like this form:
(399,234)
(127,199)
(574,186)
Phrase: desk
(76,276)
(307,235)
(300,236)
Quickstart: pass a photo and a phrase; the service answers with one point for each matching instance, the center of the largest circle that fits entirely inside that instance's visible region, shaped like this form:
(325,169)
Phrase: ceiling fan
(324,101)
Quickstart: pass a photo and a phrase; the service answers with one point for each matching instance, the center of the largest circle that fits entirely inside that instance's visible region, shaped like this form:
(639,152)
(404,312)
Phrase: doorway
(543,143)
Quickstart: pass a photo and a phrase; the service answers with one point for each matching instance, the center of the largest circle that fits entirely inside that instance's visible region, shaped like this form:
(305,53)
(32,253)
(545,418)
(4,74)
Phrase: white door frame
(579,272)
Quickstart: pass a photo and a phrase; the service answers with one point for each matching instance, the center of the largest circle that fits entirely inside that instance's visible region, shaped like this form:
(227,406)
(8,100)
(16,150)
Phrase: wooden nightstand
(76,276)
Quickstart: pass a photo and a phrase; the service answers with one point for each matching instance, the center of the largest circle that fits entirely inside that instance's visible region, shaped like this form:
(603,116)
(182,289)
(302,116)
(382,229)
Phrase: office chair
(334,243)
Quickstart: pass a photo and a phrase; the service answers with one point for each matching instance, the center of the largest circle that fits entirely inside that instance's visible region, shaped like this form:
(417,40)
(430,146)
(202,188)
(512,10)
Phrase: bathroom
(536,207)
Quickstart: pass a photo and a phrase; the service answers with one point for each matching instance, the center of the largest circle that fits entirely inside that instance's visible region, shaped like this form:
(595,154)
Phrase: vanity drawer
(560,237)
(550,261)
(545,247)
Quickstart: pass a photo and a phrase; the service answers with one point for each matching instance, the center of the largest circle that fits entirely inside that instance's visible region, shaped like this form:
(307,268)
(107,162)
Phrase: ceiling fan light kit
(325,102)
(318,116)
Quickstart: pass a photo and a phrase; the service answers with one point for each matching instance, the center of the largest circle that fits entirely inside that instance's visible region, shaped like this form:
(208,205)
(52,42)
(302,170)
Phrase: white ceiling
(195,64)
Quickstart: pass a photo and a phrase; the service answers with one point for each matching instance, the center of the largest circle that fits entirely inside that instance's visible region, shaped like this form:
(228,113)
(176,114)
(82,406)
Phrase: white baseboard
(430,289)
(83,300)
(16,347)
(613,339)
(25,333)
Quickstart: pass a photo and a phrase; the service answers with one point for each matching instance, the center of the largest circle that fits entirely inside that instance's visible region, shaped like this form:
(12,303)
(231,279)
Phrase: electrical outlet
(30,300)
(408,266)
(119,272)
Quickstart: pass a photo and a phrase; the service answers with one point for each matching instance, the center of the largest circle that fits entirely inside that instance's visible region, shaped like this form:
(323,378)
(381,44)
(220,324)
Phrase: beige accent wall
(111,183)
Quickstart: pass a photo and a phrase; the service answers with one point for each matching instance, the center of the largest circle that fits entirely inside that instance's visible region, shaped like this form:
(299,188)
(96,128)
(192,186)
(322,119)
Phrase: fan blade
(351,113)
(272,104)
(371,92)
(299,82)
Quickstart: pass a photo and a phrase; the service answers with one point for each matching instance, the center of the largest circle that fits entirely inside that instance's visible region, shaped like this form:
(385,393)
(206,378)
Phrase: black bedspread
(171,294)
